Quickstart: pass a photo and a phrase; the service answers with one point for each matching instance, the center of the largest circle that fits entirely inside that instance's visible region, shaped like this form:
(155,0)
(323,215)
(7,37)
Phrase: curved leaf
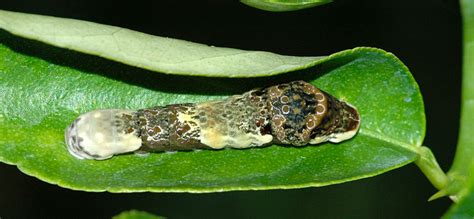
(284,5)
(146,51)
(43,89)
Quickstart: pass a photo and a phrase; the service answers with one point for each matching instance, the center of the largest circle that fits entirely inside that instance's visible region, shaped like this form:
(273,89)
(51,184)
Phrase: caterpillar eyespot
(295,113)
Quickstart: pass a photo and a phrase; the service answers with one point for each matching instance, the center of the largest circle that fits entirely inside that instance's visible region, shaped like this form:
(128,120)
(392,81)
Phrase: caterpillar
(295,113)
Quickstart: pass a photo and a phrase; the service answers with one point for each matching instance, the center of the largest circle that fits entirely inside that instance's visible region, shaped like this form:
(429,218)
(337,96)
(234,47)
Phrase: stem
(429,166)
(464,160)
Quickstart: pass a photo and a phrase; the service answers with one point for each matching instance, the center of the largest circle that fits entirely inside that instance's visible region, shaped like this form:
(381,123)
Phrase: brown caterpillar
(295,113)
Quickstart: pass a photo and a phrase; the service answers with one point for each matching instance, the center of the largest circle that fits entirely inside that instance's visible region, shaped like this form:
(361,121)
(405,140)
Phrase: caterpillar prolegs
(295,113)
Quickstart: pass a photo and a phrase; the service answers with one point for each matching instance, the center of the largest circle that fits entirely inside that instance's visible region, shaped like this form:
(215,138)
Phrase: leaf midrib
(381,137)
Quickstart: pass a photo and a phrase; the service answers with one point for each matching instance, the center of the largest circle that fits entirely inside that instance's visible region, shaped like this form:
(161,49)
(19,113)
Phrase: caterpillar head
(302,114)
(100,134)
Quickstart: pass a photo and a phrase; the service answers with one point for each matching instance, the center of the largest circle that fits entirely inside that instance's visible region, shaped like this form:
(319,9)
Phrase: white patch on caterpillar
(334,137)
(95,135)
(318,140)
(213,138)
(342,136)
(187,118)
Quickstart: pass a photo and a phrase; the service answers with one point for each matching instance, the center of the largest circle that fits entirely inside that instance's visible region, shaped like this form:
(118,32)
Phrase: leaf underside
(161,54)
(44,88)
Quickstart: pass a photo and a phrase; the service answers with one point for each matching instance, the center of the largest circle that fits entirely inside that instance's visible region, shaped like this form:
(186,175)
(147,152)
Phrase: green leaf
(284,5)
(135,214)
(43,89)
(461,174)
(154,53)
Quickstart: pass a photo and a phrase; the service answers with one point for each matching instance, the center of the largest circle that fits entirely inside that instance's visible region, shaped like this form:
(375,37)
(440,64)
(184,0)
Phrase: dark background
(424,34)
